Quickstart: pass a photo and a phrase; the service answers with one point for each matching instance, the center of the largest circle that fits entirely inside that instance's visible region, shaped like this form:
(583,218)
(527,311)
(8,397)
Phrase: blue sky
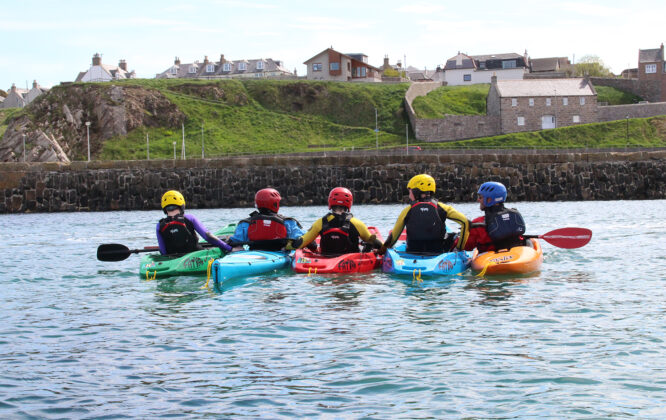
(52,41)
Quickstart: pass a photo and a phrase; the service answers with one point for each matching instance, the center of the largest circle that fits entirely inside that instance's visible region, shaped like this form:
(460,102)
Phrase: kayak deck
(516,260)
(248,263)
(446,264)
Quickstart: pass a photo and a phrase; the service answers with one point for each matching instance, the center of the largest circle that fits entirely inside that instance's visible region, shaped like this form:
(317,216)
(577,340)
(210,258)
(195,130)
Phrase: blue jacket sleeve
(293,231)
(240,235)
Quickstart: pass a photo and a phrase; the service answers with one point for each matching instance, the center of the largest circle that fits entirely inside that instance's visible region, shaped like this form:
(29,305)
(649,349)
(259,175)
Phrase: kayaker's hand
(381,250)
(290,245)
(312,246)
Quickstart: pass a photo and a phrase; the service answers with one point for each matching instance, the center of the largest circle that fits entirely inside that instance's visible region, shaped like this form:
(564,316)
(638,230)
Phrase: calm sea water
(583,338)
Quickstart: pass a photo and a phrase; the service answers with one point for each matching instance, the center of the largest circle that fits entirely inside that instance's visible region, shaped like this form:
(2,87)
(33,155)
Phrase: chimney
(13,89)
(222,60)
(176,61)
(205,59)
(122,64)
(386,62)
(97,60)
(34,84)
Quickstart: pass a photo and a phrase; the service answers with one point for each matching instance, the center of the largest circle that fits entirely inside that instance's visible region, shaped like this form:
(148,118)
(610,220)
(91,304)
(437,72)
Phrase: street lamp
(88,135)
(174,150)
(626,136)
(376,131)
(23,147)
(202,141)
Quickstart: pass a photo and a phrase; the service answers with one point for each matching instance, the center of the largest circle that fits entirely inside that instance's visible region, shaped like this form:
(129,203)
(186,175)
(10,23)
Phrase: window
(210,68)
(192,69)
(531,101)
(576,118)
(482,65)
(521,120)
(316,66)
(514,102)
(509,64)
(226,67)
(174,70)
(565,101)
(467,77)
(334,66)
(242,66)
(363,71)
(582,100)
(548,102)
(260,65)
(650,68)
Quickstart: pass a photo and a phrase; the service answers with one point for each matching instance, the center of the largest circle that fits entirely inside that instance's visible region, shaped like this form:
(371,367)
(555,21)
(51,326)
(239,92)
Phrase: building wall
(96,74)
(455,77)
(13,100)
(620,112)
(563,114)
(217,183)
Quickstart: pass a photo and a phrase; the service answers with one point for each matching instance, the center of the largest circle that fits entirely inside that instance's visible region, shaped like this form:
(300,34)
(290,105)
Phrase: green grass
(455,100)
(639,132)
(249,117)
(615,96)
(6,114)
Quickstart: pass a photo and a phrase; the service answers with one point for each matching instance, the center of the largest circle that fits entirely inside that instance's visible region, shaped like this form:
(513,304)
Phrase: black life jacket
(426,228)
(266,231)
(338,236)
(504,226)
(179,235)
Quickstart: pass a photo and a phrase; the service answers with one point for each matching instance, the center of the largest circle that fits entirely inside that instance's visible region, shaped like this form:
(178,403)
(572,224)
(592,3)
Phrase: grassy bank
(7,114)
(455,100)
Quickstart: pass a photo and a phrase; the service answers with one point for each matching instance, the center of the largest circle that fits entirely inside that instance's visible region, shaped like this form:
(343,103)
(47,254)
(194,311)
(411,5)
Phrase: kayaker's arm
(309,236)
(160,241)
(208,237)
(365,234)
(399,226)
(458,217)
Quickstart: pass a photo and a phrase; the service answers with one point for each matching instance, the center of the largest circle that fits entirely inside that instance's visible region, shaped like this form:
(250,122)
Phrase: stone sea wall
(232,182)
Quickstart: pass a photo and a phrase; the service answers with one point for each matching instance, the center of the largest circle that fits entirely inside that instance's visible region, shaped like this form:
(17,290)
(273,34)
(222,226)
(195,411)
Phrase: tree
(591,65)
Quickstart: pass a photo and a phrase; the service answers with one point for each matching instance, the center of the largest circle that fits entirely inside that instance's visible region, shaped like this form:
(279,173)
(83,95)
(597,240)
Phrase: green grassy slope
(615,96)
(456,100)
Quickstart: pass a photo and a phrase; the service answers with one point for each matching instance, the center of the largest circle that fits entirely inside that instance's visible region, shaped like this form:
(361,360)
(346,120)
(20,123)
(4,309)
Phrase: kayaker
(265,229)
(177,232)
(340,231)
(425,219)
(499,227)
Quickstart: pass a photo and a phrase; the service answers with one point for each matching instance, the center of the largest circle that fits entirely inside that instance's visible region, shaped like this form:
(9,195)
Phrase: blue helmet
(492,193)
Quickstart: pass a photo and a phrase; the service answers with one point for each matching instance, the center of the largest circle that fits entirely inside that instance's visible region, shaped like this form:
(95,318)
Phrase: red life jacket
(266,231)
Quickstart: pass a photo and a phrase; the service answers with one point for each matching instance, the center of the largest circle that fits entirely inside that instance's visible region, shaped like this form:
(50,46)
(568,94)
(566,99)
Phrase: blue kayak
(398,261)
(248,264)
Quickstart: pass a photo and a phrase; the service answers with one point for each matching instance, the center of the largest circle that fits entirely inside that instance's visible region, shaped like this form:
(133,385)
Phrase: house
(652,74)
(549,67)
(99,72)
(538,104)
(34,92)
(15,98)
(333,65)
(225,69)
(629,73)
(464,69)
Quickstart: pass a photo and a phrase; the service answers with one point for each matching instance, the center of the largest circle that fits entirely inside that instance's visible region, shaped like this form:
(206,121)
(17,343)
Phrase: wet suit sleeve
(458,217)
(397,228)
(365,234)
(160,241)
(309,236)
(208,237)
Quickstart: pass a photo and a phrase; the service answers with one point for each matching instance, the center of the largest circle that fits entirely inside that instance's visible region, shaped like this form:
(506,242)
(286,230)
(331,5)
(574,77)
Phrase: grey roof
(467,63)
(650,56)
(506,56)
(545,64)
(544,87)
(183,70)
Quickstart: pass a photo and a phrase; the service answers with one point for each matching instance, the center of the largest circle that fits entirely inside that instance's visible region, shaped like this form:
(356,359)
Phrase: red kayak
(306,261)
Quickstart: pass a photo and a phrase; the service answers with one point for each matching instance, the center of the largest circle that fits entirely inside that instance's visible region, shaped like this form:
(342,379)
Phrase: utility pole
(376,131)
(147,147)
(202,141)
(182,149)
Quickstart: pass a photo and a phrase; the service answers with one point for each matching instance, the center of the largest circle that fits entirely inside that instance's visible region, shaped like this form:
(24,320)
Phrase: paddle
(569,238)
(119,252)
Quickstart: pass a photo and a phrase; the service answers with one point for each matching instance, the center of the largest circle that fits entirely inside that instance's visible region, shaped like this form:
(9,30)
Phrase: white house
(225,69)
(99,72)
(15,98)
(464,69)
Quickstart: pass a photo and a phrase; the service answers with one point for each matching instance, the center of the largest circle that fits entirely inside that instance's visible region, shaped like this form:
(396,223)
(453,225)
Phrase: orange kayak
(517,260)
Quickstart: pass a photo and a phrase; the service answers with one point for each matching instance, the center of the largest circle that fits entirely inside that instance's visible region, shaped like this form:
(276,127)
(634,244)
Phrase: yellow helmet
(423,182)
(173,197)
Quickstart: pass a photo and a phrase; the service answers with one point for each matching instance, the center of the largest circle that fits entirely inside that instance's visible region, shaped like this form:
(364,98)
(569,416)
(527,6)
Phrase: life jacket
(425,227)
(338,236)
(179,235)
(504,226)
(266,231)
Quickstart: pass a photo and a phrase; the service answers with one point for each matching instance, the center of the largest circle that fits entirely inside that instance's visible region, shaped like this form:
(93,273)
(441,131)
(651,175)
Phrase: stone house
(225,69)
(333,65)
(18,98)
(538,104)
(99,72)
(464,69)
(548,67)
(652,74)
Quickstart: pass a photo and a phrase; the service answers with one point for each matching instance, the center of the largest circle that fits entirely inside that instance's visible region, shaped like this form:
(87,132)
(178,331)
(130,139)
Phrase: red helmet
(268,198)
(340,196)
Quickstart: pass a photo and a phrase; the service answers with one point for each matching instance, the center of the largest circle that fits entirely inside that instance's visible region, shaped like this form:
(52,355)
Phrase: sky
(52,41)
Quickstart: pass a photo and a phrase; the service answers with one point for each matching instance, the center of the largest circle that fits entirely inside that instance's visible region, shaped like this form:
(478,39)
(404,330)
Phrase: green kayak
(157,266)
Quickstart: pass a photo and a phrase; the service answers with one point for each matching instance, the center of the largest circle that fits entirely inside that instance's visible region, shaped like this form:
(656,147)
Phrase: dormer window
(242,66)
(509,64)
(210,68)
(260,65)
(226,67)
(174,70)
(192,69)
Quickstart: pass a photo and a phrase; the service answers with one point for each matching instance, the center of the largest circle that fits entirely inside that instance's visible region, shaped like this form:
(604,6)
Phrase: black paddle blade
(113,252)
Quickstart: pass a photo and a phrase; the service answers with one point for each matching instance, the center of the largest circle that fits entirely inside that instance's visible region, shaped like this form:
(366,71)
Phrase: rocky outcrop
(54,125)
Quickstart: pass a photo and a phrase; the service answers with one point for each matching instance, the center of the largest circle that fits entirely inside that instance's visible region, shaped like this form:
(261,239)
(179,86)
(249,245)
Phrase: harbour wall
(306,180)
